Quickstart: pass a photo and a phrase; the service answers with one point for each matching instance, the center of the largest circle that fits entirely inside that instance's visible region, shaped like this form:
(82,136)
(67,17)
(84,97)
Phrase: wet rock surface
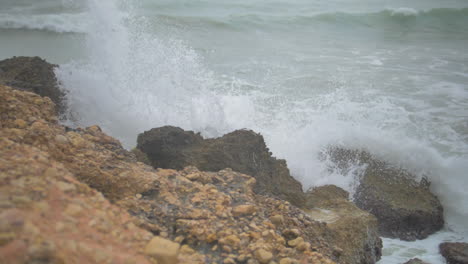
(33,74)
(415,261)
(54,178)
(355,232)
(242,150)
(406,209)
(454,253)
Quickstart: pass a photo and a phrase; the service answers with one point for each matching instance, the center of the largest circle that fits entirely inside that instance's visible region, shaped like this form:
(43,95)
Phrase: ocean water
(387,76)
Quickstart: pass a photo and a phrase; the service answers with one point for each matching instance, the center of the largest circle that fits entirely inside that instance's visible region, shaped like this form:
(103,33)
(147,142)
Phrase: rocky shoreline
(77,196)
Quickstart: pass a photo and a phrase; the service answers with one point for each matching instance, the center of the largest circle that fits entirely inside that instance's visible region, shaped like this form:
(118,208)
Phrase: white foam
(136,81)
(60,23)
(403,11)
(396,251)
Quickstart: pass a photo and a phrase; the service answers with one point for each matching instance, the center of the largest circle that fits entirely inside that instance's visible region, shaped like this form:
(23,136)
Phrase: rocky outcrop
(186,216)
(47,216)
(242,150)
(454,253)
(355,232)
(405,208)
(35,75)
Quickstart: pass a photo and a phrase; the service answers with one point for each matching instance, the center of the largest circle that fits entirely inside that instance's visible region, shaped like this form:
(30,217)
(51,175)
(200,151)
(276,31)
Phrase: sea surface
(390,77)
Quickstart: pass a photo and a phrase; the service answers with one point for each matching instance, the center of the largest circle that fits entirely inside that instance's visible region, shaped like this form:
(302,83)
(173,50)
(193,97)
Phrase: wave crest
(59,23)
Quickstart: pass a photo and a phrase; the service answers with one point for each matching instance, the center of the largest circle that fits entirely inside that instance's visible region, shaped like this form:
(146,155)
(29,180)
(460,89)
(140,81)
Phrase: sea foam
(60,23)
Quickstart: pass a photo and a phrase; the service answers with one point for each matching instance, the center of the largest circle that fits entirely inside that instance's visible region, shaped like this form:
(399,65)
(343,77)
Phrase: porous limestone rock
(190,207)
(242,150)
(405,208)
(355,232)
(47,216)
(163,250)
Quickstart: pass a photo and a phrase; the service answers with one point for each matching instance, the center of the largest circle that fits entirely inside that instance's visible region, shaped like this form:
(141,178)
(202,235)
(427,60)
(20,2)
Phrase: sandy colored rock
(355,231)
(295,242)
(288,261)
(245,209)
(263,256)
(29,173)
(277,219)
(163,250)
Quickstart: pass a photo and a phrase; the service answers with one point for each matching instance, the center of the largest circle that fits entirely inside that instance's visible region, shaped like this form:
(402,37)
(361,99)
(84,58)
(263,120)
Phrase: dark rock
(242,150)
(33,74)
(454,253)
(405,208)
(415,261)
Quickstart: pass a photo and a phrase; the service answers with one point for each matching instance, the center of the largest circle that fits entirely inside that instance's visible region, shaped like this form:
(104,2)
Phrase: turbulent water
(387,76)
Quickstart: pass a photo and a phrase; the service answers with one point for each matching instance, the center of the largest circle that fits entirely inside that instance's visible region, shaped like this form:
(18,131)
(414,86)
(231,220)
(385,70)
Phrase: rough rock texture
(219,214)
(405,208)
(242,150)
(33,74)
(47,216)
(454,253)
(415,261)
(355,232)
(213,216)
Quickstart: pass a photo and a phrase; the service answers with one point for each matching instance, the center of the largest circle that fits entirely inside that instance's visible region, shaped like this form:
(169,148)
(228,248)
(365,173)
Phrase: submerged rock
(415,261)
(405,208)
(35,75)
(242,150)
(454,253)
(355,232)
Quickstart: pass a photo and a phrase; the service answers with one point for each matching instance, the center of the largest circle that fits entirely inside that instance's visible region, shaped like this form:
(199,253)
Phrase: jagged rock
(189,207)
(35,75)
(454,253)
(405,208)
(355,232)
(415,261)
(242,150)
